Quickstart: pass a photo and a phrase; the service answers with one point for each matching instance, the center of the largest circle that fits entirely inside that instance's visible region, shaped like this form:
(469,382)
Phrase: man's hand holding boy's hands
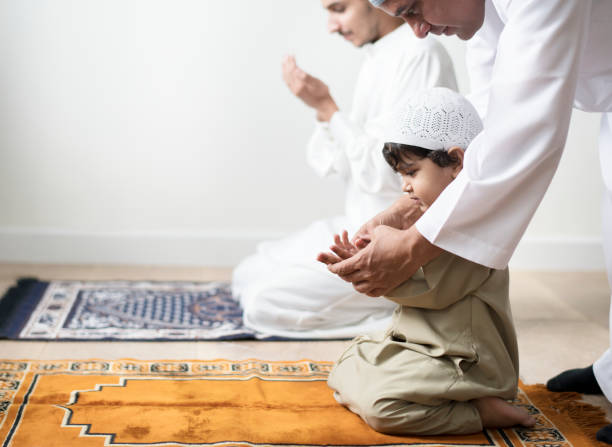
(385,251)
(342,248)
(309,89)
(389,259)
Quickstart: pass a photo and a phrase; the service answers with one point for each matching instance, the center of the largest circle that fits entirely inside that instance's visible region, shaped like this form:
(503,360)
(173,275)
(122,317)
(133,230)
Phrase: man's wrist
(421,250)
(326,110)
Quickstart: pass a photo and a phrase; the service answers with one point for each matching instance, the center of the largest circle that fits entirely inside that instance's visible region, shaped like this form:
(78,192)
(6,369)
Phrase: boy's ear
(457,154)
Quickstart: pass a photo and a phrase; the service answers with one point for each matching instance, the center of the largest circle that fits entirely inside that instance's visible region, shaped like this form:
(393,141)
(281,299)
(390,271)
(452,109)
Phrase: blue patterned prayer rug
(121,310)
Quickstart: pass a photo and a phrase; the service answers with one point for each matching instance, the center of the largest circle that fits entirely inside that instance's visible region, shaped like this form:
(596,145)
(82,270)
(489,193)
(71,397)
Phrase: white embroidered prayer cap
(436,118)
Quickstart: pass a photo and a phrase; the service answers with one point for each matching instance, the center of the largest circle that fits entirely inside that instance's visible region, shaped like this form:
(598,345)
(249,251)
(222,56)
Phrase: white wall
(160,132)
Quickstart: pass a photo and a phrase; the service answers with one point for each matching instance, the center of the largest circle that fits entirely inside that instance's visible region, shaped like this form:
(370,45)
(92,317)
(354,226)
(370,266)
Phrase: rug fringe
(587,417)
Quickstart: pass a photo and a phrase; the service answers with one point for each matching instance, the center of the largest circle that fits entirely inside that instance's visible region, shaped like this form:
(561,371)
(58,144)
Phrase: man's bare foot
(497,413)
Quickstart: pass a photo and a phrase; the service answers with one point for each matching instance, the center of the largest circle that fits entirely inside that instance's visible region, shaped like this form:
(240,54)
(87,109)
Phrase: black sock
(605,434)
(580,380)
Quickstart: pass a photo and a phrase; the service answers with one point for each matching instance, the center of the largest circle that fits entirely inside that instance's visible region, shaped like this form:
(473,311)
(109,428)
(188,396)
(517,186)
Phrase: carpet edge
(586,417)
(17,305)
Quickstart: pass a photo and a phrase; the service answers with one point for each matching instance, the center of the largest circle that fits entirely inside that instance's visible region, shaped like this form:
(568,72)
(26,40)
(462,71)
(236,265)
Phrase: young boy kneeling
(450,357)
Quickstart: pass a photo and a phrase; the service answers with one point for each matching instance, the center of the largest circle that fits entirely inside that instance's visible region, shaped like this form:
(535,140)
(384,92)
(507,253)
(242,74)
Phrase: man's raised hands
(309,89)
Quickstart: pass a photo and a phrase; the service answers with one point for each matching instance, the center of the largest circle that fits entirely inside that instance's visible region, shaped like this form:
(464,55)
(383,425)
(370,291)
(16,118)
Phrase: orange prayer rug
(229,403)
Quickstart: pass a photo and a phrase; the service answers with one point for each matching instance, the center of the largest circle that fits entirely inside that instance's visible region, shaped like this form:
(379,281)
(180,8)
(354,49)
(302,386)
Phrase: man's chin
(366,41)
(349,39)
(465,36)
(460,33)
(361,43)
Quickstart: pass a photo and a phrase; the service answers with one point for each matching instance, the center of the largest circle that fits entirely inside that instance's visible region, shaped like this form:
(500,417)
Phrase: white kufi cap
(436,118)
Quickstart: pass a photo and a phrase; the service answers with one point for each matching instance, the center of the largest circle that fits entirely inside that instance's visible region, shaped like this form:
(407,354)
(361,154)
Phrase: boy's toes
(528,420)
(497,413)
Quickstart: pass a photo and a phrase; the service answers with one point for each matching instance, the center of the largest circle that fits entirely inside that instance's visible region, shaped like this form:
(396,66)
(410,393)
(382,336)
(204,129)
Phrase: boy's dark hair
(392,152)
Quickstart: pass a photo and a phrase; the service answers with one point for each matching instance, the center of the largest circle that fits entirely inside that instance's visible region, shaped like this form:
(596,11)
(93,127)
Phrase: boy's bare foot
(497,413)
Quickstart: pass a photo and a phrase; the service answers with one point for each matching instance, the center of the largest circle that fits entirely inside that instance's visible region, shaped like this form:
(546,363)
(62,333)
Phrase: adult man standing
(282,289)
(529,62)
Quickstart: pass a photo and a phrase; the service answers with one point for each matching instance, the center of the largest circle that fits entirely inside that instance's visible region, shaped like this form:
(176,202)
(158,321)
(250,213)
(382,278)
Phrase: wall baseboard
(222,248)
(215,248)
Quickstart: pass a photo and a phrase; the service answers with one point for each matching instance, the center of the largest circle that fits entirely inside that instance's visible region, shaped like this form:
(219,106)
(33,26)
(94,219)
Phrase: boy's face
(450,17)
(355,20)
(423,180)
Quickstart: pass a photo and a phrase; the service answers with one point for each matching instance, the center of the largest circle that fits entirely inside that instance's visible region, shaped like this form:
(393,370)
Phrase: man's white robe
(283,290)
(530,62)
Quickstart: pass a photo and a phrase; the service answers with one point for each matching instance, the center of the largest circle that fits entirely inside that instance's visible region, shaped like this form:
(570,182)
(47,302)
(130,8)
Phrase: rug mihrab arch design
(227,403)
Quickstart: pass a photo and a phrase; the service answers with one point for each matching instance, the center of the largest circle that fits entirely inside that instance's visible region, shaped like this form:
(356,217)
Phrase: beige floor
(561,320)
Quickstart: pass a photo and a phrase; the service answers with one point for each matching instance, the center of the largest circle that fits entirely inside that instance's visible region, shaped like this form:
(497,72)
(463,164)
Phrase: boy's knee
(400,417)
(395,417)
(381,414)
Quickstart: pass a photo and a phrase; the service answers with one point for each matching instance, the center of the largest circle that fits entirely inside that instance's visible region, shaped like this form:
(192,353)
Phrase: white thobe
(283,290)
(530,62)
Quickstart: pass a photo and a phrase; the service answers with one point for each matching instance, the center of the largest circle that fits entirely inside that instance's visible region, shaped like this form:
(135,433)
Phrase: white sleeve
(480,58)
(482,214)
(323,153)
(359,148)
